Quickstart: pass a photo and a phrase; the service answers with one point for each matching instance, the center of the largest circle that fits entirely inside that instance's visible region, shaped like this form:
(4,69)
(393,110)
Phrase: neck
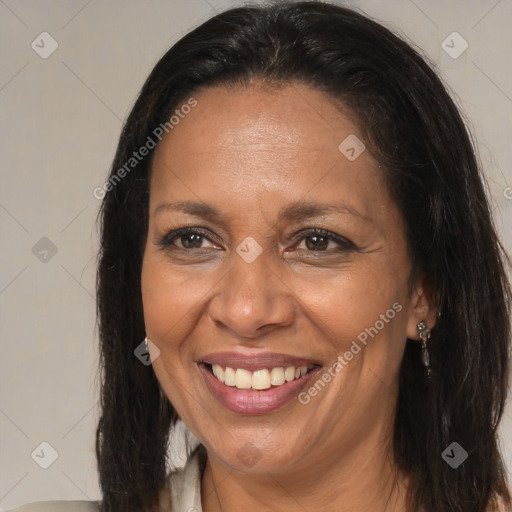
(362,479)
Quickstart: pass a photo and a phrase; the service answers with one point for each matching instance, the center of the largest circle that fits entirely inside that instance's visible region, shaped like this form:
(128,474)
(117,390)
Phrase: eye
(320,240)
(187,238)
(315,240)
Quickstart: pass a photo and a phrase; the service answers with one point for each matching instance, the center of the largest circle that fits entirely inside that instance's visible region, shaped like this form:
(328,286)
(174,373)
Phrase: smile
(258,384)
(259,379)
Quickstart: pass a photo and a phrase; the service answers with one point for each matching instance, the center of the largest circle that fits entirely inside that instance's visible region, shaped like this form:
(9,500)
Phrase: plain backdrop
(60,121)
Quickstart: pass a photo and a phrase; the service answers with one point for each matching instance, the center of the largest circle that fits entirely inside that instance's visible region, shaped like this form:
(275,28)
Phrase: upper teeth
(260,379)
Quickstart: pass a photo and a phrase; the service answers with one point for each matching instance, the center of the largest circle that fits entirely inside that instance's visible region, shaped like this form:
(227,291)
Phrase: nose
(252,299)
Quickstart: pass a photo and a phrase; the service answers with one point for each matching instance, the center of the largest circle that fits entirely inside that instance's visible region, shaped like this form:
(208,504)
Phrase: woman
(296,226)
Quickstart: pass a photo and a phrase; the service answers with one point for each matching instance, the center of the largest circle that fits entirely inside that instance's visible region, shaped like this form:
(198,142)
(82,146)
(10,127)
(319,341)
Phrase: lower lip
(250,401)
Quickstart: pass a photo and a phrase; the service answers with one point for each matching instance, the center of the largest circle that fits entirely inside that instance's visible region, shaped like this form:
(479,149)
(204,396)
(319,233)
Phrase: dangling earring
(424,333)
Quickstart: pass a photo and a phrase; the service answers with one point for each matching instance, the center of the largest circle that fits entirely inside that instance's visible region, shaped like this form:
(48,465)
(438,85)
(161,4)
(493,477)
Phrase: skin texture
(249,152)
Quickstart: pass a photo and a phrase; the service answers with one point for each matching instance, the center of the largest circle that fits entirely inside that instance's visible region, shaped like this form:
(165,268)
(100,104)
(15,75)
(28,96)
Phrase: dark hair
(412,127)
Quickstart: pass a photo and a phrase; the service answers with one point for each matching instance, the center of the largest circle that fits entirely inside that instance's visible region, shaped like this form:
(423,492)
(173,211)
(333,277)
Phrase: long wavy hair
(413,128)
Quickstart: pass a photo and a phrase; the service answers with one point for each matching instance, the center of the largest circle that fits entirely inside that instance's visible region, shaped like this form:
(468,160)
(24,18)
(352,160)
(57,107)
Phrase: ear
(422,308)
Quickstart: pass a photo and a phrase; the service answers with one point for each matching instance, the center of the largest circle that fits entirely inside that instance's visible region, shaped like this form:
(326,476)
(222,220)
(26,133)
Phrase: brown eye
(320,240)
(189,239)
(316,242)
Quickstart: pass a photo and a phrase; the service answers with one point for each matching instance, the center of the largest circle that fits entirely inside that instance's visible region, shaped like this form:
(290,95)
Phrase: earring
(424,334)
(146,344)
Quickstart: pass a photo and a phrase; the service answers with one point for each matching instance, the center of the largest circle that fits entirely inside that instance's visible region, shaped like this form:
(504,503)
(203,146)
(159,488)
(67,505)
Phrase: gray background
(60,121)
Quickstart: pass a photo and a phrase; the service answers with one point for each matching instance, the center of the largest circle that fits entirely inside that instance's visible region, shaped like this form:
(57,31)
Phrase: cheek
(169,300)
(355,300)
(362,314)
(382,332)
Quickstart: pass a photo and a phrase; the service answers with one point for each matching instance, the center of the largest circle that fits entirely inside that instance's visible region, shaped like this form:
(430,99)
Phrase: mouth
(259,380)
(256,385)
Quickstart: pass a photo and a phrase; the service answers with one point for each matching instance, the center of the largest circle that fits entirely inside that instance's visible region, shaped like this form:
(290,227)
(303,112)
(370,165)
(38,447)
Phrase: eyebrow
(296,211)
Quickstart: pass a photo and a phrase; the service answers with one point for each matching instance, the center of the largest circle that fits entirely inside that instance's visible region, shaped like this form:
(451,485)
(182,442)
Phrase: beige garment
(183,488)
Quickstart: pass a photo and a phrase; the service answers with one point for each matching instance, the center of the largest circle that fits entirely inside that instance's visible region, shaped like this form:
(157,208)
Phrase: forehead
(261,116)
(271,144)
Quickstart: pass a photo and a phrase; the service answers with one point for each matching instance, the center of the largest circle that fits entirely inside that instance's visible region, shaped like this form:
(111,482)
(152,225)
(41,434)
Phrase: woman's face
(254,291)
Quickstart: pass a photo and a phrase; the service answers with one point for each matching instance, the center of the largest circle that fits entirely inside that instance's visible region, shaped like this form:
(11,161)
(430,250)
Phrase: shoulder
(58,506)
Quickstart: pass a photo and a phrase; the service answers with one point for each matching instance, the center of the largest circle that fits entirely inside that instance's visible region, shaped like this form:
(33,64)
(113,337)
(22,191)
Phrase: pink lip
(250,401)
(255,362)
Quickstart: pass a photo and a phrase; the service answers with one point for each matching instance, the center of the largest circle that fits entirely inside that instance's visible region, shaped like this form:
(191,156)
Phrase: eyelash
(166,242)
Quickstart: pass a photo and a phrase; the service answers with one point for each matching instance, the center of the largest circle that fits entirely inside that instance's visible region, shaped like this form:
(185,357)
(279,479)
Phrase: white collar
(184,485)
